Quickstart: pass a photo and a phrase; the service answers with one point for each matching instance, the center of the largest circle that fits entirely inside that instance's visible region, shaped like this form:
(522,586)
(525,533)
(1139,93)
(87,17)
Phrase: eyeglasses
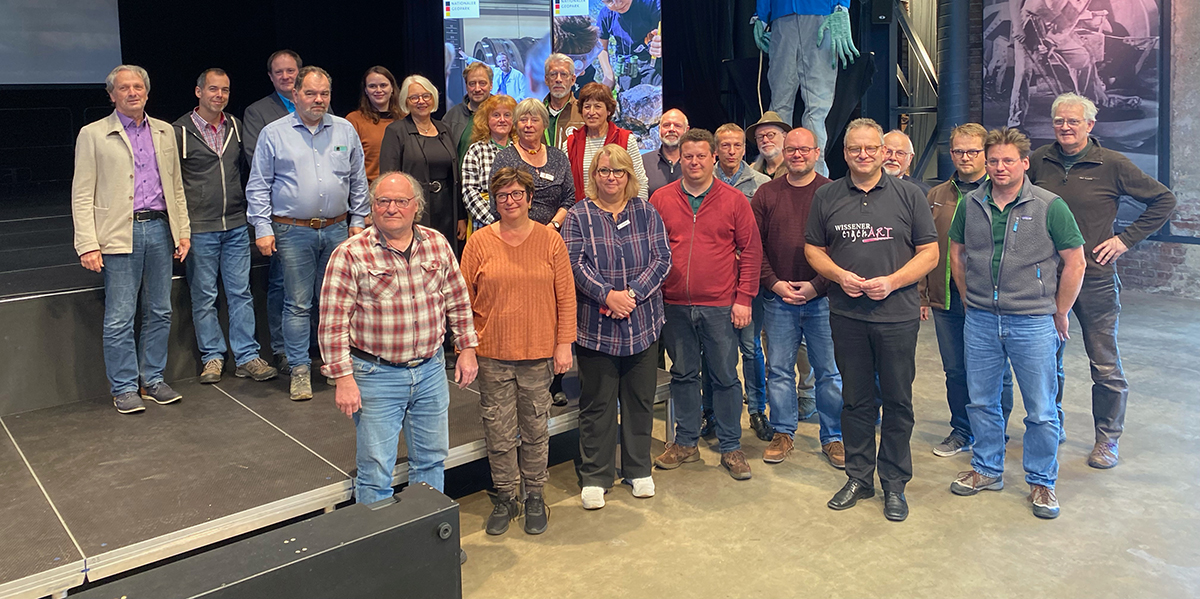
(1007,162)
(554,75)
(768,136)
(968,153)
(604,171)
(806,150)
(901,154)
(515,196)
(1059,122)
(387,203)
(425,97)
(869,150)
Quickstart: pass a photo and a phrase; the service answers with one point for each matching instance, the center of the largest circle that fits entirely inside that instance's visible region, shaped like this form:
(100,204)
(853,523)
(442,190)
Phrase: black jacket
(400,152)
(212,183)
(258,115)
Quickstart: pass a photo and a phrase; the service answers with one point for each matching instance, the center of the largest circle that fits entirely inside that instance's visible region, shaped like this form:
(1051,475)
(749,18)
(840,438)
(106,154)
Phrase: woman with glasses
(378,107)
(620,257)
(523,301)
(598,107)
(492,132)
(422,147)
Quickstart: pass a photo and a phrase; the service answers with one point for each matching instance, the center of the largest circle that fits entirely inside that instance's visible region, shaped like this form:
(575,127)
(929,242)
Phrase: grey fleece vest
(1028,276)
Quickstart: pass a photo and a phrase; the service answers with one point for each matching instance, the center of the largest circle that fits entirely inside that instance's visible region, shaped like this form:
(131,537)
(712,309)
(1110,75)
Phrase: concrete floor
(1133,531)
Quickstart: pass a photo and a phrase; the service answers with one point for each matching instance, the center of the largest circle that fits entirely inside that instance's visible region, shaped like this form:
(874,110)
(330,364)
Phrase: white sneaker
(642,487)
(592,497)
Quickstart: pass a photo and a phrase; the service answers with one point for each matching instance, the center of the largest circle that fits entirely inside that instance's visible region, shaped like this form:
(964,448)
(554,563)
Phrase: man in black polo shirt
(873,237)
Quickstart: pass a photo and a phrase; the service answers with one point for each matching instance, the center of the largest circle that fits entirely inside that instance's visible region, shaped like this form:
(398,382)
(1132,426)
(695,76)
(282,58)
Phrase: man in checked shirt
(387,295)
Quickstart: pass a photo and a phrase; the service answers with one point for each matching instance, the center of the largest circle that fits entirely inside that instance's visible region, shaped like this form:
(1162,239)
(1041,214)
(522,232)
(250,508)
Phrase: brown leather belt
(314,223)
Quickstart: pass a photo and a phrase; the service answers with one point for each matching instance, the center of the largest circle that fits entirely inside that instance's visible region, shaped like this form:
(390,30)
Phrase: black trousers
(602,378)
(863,351)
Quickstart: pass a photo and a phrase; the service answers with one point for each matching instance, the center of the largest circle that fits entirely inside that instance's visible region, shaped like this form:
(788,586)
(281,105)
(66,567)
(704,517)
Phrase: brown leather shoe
(676,456)
(1104,455)
(836,452)
(735,462)
(781,445)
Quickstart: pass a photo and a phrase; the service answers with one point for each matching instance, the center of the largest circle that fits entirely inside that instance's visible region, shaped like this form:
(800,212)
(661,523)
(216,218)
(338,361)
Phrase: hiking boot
(257,369)
(781,445)
(676,456)
(212,371)
(129,403)
(1045,504)
(301,383)
(1104,455)
(735,462)
(505,509)
(951,445)
(762,427)
(971,482)
(537,515)
(161,393)
(835,452)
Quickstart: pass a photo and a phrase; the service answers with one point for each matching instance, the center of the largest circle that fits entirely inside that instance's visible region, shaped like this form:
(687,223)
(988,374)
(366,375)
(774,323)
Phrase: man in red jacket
(715,260)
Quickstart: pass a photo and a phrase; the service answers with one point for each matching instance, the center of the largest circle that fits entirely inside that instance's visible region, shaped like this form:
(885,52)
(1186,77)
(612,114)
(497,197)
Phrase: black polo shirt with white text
(872,234)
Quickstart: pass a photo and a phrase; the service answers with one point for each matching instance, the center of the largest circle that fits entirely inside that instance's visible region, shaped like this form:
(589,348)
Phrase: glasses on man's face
(505,196)
(1007,162)
(899,154)
(806,150)
(968,153)
(556,75)
(1059,122)
(768,136)
(387,203)
(858,150)
(604,171)
(425,97)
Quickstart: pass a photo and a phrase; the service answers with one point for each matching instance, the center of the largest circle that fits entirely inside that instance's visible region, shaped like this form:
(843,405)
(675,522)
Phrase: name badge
(546,176)
(623,225)
(339,148)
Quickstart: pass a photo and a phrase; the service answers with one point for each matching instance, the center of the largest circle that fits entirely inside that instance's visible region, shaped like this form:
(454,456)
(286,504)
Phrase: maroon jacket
(716,254)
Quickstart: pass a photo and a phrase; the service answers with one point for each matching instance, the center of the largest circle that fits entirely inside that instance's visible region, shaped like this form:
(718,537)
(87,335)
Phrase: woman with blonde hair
(492,132)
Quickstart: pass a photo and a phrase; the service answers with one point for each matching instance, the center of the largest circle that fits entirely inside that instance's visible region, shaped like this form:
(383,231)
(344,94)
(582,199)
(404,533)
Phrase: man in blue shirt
(306,182)
(634,25)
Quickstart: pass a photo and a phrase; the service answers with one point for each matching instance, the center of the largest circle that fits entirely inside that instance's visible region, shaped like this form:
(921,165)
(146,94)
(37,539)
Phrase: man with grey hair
(306,182)
(768,134)
(565,116)
(1092,179)
(873,237)
(898,158)
(666,169)
(130,216)
(387,296)
(506,79)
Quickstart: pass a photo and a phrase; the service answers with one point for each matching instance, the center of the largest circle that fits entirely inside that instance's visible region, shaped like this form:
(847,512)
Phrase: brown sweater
(782,211)
(371,135)
(523,298)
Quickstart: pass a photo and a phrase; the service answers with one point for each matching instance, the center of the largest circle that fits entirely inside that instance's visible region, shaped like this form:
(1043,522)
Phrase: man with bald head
(382,343)
(795,307)
(898,157)
(666,168)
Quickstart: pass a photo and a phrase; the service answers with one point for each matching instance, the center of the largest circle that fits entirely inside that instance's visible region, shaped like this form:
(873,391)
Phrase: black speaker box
(882,11)
(404,548)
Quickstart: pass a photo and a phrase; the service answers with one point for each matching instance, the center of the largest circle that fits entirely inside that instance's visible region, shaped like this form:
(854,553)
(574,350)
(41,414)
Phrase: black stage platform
(92,493)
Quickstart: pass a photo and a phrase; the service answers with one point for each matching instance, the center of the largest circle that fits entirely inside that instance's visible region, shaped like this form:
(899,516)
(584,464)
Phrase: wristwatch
(632,295)
(557,225)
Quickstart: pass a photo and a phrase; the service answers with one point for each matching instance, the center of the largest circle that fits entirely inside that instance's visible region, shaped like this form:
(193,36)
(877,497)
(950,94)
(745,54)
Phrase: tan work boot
(781,445)
(212,371)
(735,462)
(836,452)
(676,456)
(1104,455)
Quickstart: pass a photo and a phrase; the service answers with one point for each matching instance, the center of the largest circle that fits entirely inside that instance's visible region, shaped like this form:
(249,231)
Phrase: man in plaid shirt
(387,295)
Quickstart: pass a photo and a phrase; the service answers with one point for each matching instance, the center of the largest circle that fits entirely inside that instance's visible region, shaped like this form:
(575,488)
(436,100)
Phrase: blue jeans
(1030,343)
(754,368)
(304,253)
(275,304)
(147,269)
(415,400)
(786,325)
(949,325)
(686,329)
(227,253)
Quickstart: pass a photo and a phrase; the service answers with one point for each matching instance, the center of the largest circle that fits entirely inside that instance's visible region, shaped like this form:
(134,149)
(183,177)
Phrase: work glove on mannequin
(838,26)
(762,37)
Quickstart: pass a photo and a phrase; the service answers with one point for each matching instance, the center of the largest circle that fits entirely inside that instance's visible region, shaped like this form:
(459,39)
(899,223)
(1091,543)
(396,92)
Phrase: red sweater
(705,247)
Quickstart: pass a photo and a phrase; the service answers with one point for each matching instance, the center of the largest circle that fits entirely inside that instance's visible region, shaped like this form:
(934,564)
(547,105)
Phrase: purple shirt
(147,185)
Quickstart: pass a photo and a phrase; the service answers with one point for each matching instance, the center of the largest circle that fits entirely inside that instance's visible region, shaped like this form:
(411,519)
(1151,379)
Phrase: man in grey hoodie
(210,150)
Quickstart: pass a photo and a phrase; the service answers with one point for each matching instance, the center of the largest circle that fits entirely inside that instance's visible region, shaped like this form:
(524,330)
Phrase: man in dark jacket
(1092,179)
(210,143)
(460,118)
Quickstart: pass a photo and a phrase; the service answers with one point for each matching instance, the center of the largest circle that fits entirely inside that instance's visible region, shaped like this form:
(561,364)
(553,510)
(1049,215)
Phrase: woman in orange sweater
(523,299)
(377,108)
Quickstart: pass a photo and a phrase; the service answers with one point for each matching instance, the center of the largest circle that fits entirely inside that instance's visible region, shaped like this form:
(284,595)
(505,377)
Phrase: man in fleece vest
(1006,241)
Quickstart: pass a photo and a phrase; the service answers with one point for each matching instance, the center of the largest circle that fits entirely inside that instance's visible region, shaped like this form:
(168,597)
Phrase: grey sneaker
(808,406)
(212,371)
(971,482)
(1045,503)
(161,393)
(951,445)
(301,383)
(129,403)
(257,369)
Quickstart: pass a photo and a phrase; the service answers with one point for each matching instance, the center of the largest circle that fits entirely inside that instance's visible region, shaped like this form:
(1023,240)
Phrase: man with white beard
(768,134)
(666,169)
(898,156)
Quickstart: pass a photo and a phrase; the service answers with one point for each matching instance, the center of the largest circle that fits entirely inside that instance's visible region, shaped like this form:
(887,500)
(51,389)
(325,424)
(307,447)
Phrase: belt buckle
(137,218)
(435,186)
(413,363)
(316,223)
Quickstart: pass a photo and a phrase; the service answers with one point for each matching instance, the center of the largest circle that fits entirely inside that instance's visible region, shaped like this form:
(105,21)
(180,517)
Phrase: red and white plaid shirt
(212,135)
(375,300)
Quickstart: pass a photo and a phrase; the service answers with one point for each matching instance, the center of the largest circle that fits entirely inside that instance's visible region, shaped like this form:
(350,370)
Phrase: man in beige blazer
(130,219)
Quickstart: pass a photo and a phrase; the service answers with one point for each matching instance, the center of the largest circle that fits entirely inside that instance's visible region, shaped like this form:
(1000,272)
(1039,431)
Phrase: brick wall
(1174,268)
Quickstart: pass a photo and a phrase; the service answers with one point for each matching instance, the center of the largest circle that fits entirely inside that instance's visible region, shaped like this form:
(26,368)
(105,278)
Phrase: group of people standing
(514,240)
